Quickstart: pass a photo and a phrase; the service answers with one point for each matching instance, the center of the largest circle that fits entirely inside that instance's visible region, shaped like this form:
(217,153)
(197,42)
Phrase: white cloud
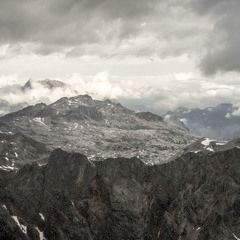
(6,80)
(156,93)
(236,112)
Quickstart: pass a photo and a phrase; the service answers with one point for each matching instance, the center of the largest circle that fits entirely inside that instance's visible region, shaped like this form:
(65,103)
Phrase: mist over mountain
(47,83)
(15,97)
(219,122)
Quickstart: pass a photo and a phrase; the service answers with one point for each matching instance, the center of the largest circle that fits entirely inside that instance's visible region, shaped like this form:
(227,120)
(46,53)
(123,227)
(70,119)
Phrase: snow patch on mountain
(206,142)
(42,216)
(235,236)
(22,227)
(40,120)
(41,234)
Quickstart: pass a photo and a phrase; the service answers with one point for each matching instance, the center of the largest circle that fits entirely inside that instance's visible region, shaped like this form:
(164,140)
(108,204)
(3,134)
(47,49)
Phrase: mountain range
(88,169)
(219,122)
(47,83)
(98,129)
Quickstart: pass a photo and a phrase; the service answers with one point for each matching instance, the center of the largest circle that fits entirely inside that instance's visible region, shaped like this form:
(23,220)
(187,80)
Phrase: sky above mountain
(159,53)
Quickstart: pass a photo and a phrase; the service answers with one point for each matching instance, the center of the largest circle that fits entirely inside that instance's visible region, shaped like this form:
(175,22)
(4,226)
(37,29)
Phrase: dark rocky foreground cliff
(195,196)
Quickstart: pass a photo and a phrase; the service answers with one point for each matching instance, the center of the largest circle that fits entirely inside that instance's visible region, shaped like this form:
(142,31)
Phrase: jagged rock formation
(195,196)
(100,129)
(47,83)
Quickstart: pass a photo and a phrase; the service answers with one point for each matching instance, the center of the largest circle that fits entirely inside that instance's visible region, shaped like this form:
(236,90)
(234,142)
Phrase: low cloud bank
(154,93)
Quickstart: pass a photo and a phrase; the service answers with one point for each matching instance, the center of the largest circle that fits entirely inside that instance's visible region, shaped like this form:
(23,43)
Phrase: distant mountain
(21,93)
(220,122)
(100,129)
(6,107)
(47,83)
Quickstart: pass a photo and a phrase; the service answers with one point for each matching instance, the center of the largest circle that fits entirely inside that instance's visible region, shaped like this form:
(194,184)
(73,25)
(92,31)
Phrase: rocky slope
(16,149)
(219,122)
(6,107)
(194,196)
(100,129)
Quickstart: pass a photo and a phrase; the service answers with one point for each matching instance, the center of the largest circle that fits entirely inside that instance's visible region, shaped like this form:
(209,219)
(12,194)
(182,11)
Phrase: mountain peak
(149,116)
(52,84)
(27,85)
(46,83)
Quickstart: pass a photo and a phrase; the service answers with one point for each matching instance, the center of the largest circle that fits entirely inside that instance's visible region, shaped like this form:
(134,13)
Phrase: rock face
(100,129)
(220,122)
(16,149)
(195,196)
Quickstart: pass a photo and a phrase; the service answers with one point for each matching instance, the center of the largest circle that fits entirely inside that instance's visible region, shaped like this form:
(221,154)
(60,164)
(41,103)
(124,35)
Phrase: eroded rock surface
(195,196)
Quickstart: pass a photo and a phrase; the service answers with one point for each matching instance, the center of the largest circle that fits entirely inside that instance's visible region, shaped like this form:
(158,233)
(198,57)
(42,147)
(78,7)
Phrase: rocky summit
(194,196)
(98,129)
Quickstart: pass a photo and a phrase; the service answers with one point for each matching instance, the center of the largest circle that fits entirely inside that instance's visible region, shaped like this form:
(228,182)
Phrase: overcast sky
(156,53)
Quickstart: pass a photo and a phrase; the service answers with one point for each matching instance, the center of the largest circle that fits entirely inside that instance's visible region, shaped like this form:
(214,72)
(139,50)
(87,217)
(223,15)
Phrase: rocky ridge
(194,196)
(142,176)
(99,129)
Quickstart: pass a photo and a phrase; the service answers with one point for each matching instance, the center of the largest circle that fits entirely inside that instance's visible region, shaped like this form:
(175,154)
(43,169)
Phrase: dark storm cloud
(223,52)
(54,25)
(69,22)
(37,21)
(110,28)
